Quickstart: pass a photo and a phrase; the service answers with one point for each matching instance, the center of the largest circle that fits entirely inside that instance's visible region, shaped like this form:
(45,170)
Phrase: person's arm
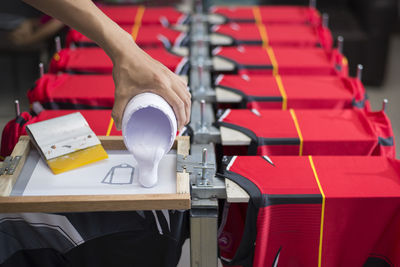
(31,33)
(134,71)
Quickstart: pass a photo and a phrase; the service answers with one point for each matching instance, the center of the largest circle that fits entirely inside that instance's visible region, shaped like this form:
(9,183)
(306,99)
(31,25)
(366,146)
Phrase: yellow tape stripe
(281,90)
(296,124)
(264,35)
(265,39)
(138,22)
(257,15)
(135,31)
(110,125)
(272,57)
(321,231)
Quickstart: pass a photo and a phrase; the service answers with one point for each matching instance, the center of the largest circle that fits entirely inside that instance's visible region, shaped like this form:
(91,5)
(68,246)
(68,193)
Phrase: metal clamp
(201,168)
(9,165)
(202,119)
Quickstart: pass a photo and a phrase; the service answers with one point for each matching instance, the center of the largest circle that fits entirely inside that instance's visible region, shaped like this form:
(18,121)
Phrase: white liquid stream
(148,158)
(149,127)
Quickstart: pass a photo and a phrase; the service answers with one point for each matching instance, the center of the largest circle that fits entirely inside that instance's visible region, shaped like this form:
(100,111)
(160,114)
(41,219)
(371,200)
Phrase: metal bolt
(17,109)
(202,113)
(359,72)
(340,40)
(204,163)
(325,20)
(384,105)
(41,69)
(57,41)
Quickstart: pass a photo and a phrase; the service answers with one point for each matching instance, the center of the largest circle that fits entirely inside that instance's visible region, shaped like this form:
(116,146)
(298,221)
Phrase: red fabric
(270,14)
(152,15)
(315,92)
(311,61)
(11,133)
(92,91)
(362,206)
(324,132)
(278,35)
(95,60)
(147,36)
(98,121)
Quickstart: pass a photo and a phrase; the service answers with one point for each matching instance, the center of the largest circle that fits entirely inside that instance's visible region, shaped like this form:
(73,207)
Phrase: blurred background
(371,31)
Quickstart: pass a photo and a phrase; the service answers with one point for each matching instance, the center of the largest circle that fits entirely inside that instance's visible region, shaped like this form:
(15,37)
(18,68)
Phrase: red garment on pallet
(152,35)
(98,120)
(95,60)
(269,14)
(323,132)
(126,14)
(256,59)
(264,92)
(300,35)
(68,91)
(345,214)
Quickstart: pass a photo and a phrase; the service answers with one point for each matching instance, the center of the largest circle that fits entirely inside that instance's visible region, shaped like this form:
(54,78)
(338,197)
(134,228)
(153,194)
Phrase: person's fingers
(177,105)
(120,103)
(186,98)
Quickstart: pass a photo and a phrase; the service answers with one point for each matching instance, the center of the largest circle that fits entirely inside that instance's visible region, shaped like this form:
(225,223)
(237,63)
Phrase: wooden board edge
(92,203)
(183,145)
(112,142)
(235,193)
(21,149)
(182,183)
(232,137)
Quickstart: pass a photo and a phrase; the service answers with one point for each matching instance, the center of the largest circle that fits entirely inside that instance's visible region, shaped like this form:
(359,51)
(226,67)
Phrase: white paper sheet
(110,176)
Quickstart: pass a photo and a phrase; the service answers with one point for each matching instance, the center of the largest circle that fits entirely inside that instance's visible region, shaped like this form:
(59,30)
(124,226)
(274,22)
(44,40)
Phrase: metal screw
(17,109)
(340,40)
(202,113)
(204,163)
(359,72)
(325,20)
(57,40)
(384,104)
(41,69)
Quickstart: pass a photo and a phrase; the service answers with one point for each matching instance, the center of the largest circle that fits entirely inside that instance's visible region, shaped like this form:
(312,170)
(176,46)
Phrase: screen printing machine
(283,162)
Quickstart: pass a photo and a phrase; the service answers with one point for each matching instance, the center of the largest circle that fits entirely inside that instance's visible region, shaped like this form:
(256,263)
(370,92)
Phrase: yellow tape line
(135,31)
(281,90)
(257,14)
(138,22)
(296,124)
(110,125)
(272,57)
(322,211)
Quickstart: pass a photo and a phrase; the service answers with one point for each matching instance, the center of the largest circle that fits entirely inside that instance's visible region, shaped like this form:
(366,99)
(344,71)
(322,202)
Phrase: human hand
(136,72)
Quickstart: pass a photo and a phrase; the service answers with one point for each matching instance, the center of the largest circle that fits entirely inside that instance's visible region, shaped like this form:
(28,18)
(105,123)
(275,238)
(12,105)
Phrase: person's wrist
(120,46)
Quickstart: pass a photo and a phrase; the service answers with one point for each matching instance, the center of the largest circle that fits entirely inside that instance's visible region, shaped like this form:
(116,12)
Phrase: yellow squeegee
(66,142)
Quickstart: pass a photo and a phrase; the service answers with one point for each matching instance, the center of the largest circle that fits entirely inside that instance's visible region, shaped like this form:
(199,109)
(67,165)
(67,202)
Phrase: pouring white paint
(148,127)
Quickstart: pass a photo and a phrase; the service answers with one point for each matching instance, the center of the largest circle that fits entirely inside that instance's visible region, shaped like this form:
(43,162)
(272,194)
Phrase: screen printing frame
(89,203)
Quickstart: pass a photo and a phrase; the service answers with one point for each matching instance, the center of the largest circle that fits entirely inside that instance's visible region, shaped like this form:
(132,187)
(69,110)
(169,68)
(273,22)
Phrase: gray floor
(390,89)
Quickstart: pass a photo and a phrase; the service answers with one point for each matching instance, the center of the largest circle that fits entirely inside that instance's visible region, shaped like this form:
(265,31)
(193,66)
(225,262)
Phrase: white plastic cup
(149,128)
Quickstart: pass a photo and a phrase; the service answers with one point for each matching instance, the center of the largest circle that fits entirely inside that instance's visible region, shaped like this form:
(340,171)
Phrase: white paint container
(149,128)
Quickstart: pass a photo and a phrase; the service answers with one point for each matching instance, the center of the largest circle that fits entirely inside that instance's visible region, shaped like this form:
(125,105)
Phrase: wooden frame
(88,203)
